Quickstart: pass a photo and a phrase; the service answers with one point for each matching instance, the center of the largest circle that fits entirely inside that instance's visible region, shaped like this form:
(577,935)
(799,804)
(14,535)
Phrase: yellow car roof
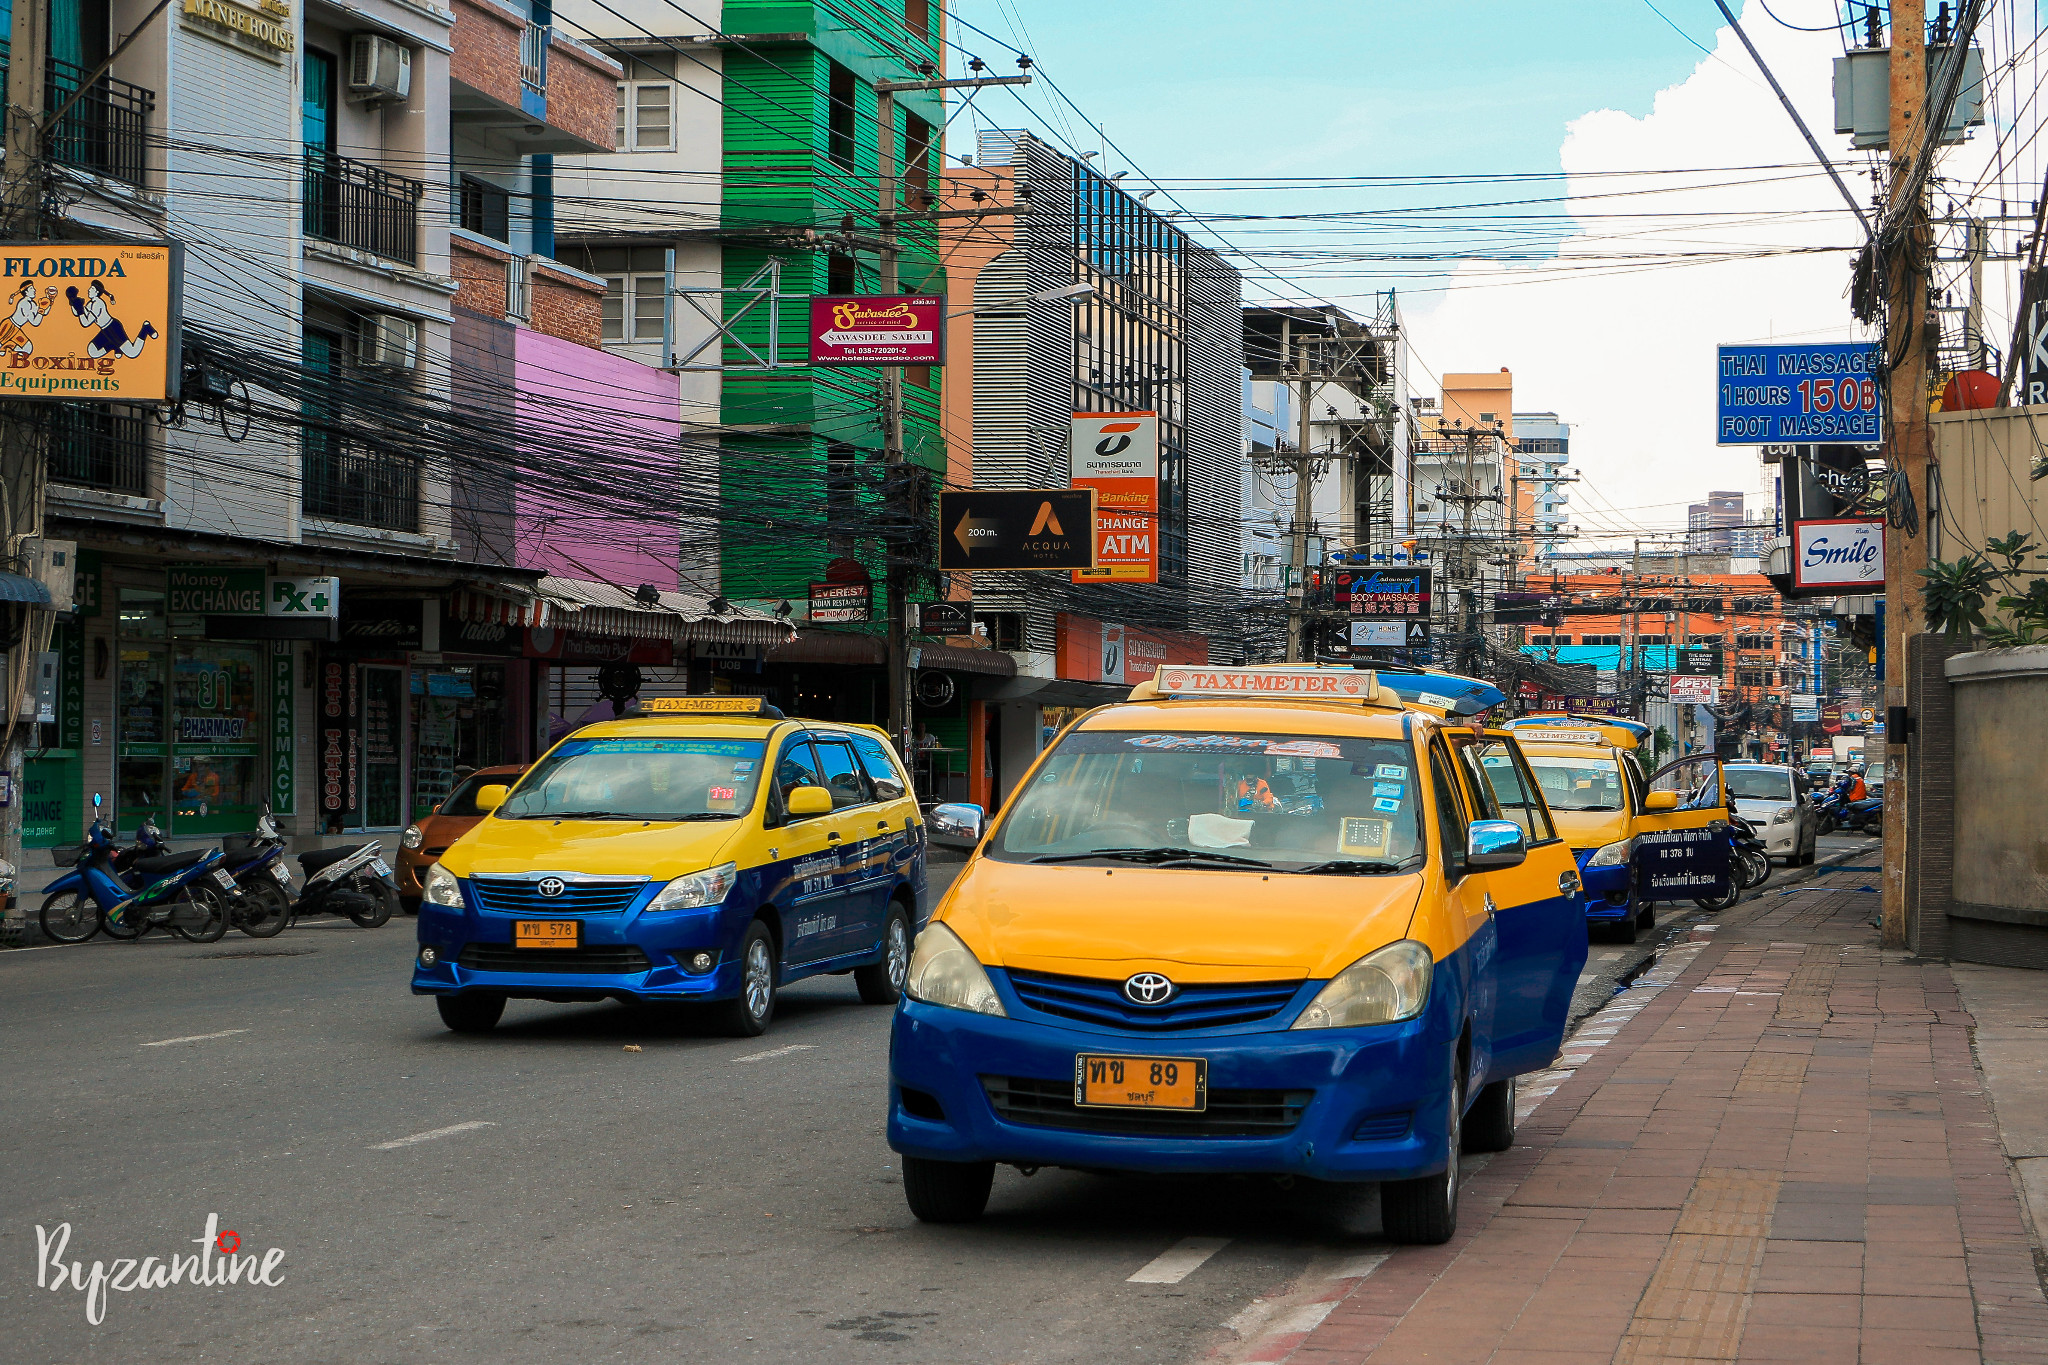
(1607,732)
(1253,717)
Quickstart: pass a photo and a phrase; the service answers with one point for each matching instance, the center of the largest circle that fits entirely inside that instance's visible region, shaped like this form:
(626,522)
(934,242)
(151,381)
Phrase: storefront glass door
(386,698)
(217,738)
(141,712)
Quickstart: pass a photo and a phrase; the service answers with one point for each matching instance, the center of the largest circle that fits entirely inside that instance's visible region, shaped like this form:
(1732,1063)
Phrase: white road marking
(777,1052)
(1179,1261)
(1358,1267)
(196,1037)
(450,1131)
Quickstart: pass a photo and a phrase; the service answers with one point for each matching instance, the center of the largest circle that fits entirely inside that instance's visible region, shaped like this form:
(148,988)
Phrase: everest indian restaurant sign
(1827,394)
(878,329)
(93,322)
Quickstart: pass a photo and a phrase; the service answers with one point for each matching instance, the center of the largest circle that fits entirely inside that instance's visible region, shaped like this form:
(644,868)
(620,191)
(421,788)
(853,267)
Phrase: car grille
(608,959)
(519,896)
(1204,1005)
(1231,1113)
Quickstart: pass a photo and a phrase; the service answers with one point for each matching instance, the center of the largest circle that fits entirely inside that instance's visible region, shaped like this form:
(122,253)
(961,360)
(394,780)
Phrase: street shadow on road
(653,1026)
(1059,1205)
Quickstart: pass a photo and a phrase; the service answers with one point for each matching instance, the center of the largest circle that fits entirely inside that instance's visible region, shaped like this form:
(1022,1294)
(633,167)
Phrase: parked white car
(1771,797)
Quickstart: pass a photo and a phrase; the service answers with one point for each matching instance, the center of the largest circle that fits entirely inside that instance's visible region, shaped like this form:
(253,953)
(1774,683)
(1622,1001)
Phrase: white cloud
(1629,357)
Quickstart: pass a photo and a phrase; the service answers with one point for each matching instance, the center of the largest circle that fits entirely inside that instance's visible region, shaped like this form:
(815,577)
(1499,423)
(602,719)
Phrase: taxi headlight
(412,838)
(1612,855)
(708,887)
(943,972)
(1380,988)
(441,888)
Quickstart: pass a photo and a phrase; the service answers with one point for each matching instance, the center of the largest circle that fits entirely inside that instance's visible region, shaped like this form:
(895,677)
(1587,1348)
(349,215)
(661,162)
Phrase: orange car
(423,842)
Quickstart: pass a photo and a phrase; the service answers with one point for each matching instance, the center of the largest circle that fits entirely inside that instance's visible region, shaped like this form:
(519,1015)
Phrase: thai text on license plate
(226,882)
(1106,1081)
(547,933)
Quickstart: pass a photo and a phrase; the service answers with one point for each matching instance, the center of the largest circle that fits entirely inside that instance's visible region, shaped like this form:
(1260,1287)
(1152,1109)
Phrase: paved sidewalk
(1779,1148)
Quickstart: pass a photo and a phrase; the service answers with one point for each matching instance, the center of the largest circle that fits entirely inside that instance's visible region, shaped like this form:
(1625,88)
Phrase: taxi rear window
(640,779)
(1293,803)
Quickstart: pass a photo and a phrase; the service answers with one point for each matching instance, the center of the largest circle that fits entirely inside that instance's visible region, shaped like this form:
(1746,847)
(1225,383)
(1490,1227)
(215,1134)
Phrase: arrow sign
(1017,528)
(1418,632)
(971,527)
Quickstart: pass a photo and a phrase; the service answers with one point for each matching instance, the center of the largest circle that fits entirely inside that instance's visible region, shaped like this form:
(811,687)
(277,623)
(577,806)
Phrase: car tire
(747,1014)
(881,983)
(1424,1212)
(1490,1123)
(947,1191)
(470,1013)
(1646,917)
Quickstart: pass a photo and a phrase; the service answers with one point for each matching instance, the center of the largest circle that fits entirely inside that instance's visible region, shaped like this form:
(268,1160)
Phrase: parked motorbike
(256,862)
(128,892)
(352,881)
(1749,865)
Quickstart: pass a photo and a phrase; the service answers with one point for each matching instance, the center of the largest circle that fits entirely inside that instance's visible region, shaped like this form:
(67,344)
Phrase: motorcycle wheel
(264,911)
(386,896)
(127,923)
(70,917)
(1827,825)
(200,915)
(1756,870)
(1726,902)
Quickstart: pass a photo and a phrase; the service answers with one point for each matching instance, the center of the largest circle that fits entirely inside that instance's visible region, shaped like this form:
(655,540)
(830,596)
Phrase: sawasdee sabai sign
(90,321)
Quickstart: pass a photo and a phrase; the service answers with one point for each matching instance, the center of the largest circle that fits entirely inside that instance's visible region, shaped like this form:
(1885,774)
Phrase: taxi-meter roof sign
(1306,684)
(700,706)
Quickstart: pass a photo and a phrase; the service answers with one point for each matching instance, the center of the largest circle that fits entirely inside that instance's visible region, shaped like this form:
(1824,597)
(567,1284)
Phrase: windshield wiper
(578,815)
(1351,867)
(1154,855)
(697,815)
(1587,808)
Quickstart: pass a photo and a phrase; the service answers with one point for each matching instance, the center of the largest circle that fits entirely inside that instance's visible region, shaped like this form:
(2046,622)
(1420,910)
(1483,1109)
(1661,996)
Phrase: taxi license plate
(547,933)
(1107,1081)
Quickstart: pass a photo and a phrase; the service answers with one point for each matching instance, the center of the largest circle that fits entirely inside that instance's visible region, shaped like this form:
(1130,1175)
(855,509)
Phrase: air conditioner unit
(387,341)
(379,68)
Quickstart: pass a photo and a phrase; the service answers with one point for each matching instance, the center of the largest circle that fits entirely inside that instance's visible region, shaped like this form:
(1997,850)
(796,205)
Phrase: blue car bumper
(625,957)
(1604,891)
(1340,1104)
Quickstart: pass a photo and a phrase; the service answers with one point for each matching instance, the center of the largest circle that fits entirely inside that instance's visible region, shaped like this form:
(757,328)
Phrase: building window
(341,478)
(917,17)
(839,274)
(635,289)
(1753,642)
(917,161)
(646,116)
(839,118)
(484,208)
(1653,639)
(1599,639)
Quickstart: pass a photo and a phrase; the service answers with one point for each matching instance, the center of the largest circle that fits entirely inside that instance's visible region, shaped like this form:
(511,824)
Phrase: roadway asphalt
(589,1182)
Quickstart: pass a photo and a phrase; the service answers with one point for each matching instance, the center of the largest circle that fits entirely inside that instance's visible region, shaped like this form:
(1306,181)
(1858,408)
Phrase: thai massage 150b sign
(878,329)
(1838,552)
(1800,395)
(94,322)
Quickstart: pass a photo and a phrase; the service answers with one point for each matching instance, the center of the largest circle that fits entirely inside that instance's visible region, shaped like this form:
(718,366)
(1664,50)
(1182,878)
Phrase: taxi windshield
(1256,802)
(640,779)
(1574,783)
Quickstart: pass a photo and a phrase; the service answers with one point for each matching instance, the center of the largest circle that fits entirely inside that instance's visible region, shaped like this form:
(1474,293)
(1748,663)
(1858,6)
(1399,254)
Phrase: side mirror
(1661,801)
(958,824)
(1494,844)
(490,798)
(806,801)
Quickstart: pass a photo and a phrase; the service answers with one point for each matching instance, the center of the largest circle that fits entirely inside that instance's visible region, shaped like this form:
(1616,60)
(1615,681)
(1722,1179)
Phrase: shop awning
(15,588)
(856,650)
(482,607)
(602,609)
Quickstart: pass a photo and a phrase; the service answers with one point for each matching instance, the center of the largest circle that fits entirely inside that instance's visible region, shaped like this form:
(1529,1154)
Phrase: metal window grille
(533,56)
(355,204)
(106,131)
(100,446)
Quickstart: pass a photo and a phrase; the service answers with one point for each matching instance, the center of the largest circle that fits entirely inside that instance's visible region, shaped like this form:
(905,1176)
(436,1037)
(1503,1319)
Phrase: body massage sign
(90,321)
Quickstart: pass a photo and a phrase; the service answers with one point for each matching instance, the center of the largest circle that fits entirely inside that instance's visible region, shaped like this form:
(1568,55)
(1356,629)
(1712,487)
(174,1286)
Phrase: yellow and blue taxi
(1251,921)
(706,851)
(1612,812)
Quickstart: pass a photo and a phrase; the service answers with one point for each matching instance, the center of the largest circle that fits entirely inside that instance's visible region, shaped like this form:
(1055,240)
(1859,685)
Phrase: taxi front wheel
(747,1014)
(1424,1212)
(470,1013)
(947,1191)
(881,982)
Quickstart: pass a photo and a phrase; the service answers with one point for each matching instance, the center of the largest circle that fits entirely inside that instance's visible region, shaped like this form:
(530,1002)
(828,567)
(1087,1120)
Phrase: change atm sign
(1799,395)
(878,329)
(1117,455)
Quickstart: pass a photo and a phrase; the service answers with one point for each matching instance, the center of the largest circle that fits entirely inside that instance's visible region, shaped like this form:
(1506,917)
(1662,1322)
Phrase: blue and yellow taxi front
(1253,921)
(1595,786)
(707,851)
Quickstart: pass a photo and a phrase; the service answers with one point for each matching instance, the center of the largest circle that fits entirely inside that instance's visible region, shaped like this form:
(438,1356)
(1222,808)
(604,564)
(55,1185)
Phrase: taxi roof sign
(1576,729)
(722,706)
(1304,683)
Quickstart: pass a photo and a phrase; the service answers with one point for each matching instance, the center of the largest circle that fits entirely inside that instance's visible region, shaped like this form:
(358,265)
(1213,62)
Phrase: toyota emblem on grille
(551,886)
(1148,988)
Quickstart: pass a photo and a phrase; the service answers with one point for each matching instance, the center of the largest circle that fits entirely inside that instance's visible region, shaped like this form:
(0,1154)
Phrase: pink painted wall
(615,522)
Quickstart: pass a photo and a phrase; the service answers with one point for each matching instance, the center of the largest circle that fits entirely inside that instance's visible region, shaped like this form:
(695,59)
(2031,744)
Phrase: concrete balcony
(537,89)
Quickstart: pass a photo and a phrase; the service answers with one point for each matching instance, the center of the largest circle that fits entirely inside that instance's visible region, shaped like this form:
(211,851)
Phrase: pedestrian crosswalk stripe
(1179,1261)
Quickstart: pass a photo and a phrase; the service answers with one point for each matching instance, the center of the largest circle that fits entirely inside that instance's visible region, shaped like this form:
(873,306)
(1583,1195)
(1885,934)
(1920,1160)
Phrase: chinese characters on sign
(1385,592)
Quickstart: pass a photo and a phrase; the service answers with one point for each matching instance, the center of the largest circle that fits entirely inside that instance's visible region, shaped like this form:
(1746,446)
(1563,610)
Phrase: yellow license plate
(1103,1081)
(547,933)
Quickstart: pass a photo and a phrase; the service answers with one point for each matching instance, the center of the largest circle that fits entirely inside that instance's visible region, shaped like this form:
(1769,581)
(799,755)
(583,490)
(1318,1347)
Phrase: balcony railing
(533,56)
(344,481)
(355,204)
(106,131)
(100,446)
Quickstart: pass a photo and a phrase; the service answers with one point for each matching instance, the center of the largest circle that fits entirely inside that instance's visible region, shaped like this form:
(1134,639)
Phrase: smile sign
(1838,552)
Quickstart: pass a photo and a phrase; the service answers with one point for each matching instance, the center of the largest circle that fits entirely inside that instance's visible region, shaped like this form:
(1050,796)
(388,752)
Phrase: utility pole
(1908,247)
(1304,511)
(24,436)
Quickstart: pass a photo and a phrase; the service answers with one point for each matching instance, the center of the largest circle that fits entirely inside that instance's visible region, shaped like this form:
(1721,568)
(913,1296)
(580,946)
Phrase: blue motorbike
(256,862)
(128,892)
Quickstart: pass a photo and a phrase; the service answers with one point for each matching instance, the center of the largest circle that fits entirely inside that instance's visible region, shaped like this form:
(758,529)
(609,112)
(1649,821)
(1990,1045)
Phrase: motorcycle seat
(243,843)
(326,857)
(169,862)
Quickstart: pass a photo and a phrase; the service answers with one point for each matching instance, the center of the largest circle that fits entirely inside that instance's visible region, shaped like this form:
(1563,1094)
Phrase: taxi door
(1539,928)
(804,878)
(864,877)
(1681,850)
(1468,909)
